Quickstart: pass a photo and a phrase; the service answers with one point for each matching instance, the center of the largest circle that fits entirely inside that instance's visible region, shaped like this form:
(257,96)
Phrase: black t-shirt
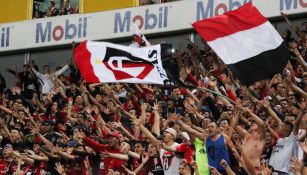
(154,165)
(133,163)
(20,146)
(52,137)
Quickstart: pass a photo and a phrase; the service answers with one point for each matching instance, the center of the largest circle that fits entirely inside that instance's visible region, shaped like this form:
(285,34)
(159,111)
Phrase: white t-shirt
(282,153)
(170,161)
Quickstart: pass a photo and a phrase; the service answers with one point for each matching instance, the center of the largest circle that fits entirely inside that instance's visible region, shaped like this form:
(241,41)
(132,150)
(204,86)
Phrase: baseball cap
(8,146)
(185,135)
(172,131)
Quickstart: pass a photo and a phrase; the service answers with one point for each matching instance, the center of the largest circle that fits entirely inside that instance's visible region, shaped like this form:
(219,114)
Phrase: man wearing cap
(185,147)
(111,147)
(170,160)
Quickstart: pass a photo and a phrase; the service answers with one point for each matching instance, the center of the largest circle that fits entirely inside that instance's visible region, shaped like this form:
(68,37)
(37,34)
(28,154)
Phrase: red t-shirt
(77,167)
(41,169)
(7,167)
(187,150)
(106,163)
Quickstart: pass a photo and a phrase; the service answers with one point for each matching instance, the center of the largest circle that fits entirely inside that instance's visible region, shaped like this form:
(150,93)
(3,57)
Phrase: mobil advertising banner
(151,19)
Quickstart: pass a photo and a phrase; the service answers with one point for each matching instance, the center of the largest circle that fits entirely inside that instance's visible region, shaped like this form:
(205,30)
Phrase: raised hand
(145,158)
(214,171)
(265,103)
(265,170)
(127,170)
(155,107)
(223,163)
(304,146)
(59,168)
(144,106)
(2,123)
(296,165)
(104,155)
(106,111)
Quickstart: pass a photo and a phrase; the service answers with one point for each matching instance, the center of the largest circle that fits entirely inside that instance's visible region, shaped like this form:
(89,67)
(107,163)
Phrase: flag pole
(289,22)
(216,93)
(73,52)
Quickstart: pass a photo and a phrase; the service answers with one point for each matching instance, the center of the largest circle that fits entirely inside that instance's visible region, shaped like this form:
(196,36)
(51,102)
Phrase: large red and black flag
(247,42)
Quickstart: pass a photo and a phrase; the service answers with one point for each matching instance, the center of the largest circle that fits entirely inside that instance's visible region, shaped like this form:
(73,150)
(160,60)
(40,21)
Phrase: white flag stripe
(252,42)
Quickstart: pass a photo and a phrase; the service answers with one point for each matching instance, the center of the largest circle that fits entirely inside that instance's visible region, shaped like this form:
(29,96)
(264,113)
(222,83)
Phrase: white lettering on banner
(210,8)
(113,24)
(151,20)
(292,4)
(69,31)
(5,36)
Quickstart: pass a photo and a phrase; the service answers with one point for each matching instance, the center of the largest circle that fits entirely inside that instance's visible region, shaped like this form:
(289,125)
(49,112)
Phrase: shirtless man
(254,140)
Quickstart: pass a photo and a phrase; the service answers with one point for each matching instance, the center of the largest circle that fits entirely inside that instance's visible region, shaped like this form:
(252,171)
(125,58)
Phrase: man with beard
(217,145)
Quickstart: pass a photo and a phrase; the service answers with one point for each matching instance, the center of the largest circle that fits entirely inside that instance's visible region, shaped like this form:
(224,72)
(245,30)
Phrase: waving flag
(107,62)
(246,42)
(139,39)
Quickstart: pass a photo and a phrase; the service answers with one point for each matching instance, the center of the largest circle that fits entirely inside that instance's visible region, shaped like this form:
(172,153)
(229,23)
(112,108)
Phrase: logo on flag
(107,62)
(125,66)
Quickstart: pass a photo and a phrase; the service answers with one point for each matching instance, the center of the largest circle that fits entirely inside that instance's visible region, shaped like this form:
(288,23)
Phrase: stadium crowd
(67,9)
(56,124)
(51,10)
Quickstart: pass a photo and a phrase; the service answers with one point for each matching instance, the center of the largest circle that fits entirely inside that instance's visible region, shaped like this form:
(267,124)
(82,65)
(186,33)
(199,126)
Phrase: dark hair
(296,105)
(144,144)
(222,119)
(52,3)
(288,125)
(284,99)
(46,65)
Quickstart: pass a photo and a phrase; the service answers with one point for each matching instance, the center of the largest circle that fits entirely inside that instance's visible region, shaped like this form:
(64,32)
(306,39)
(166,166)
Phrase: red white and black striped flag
(247,42)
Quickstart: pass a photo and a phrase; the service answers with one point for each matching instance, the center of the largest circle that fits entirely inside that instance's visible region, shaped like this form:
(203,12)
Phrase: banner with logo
(151,19)
(109,63)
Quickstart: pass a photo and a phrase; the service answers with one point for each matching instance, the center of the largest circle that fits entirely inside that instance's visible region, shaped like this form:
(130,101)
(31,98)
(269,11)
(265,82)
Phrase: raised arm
(65,155)
(6,109)
(148,134)
(38,74)
(266,105)
(169,148)
(62,70)
(299,57)
(298,120)
(259,122)
(39,158)
(188,129)
(156,126)
(229,171)
(296,88)
(114,155)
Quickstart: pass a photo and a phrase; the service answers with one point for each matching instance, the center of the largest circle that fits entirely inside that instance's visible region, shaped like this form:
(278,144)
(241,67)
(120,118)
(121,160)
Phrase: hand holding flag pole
(290,24)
